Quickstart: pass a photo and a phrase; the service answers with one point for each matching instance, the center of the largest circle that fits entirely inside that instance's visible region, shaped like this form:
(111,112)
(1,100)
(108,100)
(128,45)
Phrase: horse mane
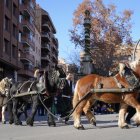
(2,85)
(36,74)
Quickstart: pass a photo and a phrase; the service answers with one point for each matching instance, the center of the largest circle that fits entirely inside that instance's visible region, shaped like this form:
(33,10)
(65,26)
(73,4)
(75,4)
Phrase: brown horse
(127,77)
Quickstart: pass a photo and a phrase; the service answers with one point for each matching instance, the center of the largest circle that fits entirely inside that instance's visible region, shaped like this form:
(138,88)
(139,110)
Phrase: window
(31,36)
(6,23)
(6,46)
(7,3)
(14,53)
(19,36)
(20,2)
(31,5)
(14,10)
(20,18)
(14,31)
(31,20)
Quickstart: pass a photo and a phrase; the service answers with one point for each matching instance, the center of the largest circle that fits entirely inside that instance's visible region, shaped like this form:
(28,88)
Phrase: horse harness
(29,90)
(130,77)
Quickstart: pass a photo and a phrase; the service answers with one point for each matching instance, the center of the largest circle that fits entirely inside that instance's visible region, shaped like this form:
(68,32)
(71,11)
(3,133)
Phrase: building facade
(49,43)
(23,44)
(28,48)
(9,41)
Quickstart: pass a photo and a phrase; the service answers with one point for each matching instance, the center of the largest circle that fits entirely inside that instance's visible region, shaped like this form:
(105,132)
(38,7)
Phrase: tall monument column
(85,57)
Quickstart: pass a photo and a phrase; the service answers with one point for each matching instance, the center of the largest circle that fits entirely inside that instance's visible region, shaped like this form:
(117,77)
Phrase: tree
(109,32)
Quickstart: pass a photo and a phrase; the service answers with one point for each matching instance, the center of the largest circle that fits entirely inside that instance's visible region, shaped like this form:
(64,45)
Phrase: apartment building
(23,45)
(49,43)
(37,51)
(9,41)
(27,51)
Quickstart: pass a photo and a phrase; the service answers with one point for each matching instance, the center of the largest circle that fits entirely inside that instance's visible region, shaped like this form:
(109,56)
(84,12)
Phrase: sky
(61,13)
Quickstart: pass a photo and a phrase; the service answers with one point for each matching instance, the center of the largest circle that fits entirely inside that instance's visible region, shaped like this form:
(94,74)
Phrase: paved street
(107,129)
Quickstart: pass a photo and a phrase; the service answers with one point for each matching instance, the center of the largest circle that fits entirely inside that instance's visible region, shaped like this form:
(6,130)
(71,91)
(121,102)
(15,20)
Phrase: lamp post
(87,26)
(86,58)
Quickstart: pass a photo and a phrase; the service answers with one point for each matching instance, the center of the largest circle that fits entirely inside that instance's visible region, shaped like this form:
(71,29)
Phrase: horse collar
(118,83)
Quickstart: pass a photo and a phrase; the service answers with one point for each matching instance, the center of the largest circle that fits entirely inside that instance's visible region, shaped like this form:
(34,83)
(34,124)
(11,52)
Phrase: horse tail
(76,96)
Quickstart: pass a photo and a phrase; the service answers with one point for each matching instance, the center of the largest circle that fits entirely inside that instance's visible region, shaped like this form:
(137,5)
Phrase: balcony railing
(27,23)
(27,56)
(26,72)
(45,57)
(46,46)
(27,39)
(28,9)
(47,35)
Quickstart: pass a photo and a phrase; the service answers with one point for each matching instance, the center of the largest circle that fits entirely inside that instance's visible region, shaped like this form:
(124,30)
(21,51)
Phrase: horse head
(5,85)
(127,71)
(53,76)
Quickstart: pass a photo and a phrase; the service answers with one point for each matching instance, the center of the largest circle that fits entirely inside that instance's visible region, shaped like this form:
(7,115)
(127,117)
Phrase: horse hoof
(29,121)
(137,125)
(18,123)
(80,127)
(94,123)
(3,122)
(11,122)
(125,127)
(51,124)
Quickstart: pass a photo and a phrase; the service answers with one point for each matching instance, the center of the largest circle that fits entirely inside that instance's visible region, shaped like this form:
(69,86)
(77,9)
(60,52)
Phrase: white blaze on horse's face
(121,69)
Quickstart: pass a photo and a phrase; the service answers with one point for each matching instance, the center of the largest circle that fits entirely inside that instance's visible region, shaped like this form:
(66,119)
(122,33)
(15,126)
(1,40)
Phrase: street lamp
(86,65)
(87,26)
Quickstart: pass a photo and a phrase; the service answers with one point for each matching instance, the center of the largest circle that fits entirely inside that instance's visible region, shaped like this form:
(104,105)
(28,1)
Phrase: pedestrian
(104,109)
(64,99)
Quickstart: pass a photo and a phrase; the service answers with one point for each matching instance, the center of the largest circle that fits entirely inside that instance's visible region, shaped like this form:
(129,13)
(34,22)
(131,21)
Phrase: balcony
(26,73)
(45,35)
(27,57)
(28,25)
(28,9)
(45,58)
(46,27)
(55,59)
(55,48)
(26,39)
(46,47)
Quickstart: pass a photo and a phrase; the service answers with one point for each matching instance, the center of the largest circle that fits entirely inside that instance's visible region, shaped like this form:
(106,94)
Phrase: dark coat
(67,88)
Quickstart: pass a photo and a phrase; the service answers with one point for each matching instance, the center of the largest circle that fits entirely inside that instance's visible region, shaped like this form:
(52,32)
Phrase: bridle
(130,77)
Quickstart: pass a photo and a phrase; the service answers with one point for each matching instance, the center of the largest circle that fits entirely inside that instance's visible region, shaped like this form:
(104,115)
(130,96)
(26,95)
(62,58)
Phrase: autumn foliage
(110,34)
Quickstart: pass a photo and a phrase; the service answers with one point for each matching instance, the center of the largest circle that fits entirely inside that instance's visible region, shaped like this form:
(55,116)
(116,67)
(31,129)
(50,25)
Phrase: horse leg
(30,119)
(3,114)
(10,112)
(51,120)
(77,114)
(122,113)
(21,110)
(25,111)
(135,104)
(16,119)
(88,113)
